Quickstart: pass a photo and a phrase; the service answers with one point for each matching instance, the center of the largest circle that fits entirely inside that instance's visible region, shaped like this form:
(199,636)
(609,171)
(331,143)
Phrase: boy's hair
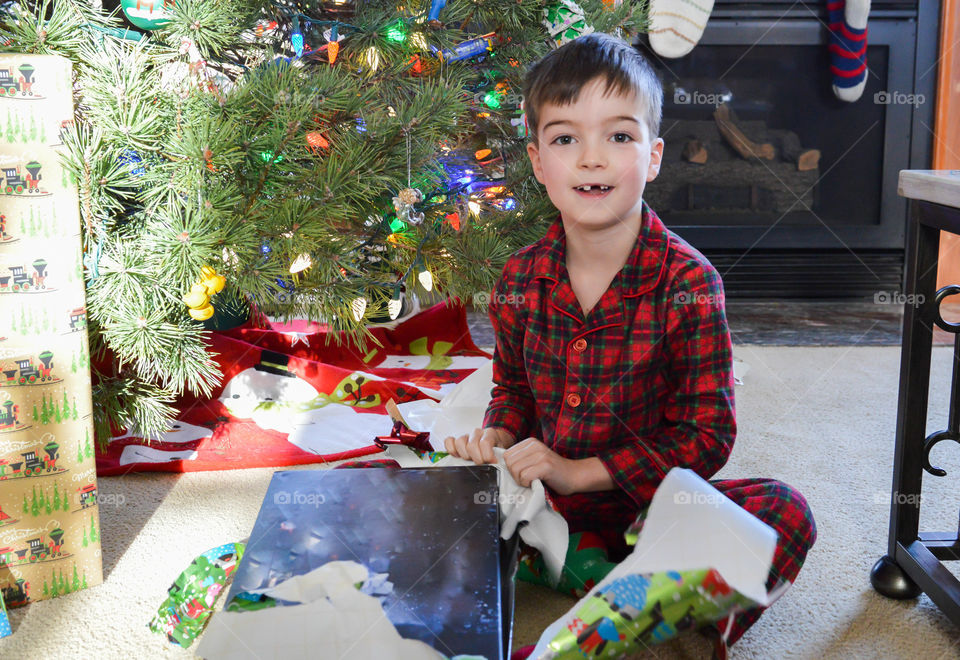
(560,75)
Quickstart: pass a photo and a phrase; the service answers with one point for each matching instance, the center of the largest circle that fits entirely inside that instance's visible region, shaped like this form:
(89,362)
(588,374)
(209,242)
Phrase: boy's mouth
(593,190)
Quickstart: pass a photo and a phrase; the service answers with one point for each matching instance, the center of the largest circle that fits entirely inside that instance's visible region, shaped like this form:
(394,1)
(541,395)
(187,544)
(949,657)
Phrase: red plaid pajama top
(644,382)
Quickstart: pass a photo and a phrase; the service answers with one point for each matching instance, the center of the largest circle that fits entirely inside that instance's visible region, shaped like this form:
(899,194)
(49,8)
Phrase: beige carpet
(821,419)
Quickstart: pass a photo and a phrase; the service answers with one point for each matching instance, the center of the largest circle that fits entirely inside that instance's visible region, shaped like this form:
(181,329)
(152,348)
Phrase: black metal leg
(914,561)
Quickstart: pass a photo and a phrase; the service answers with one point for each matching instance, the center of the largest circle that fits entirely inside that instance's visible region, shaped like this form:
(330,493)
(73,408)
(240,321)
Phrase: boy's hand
(478,446)
(531,459)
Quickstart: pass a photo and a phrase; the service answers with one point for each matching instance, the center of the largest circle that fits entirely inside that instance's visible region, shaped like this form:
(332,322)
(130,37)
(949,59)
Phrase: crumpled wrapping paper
(674,581)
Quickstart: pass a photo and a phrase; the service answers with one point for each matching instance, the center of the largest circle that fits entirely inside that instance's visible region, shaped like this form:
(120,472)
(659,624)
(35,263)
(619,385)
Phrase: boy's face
(599,140)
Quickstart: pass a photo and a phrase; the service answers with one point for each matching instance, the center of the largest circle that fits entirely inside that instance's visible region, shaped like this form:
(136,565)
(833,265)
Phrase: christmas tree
(319,160)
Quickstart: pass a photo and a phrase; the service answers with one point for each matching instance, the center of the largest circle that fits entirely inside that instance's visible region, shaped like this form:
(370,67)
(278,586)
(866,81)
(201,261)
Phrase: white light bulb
(302,262)
(426,279)
(418,40)
(474,207)
(394,307)
(359,306)
(373,58)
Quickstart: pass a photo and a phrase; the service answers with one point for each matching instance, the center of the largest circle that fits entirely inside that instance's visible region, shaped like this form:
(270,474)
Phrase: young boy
(613,358)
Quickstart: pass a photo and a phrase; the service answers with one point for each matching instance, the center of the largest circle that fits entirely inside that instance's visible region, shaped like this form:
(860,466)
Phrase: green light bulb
(397,33)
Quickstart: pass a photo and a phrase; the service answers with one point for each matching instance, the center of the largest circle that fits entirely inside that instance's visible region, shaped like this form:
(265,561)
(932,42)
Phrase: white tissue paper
(459,412)
(333,616)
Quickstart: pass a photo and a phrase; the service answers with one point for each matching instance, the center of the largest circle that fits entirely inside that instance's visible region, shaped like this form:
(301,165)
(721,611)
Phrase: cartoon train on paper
(33,465)
(28,373)
(88,495)
(9,416)
(78,319)
(17,594)
(11,83)
(15,183)
(20,279)
(36,549)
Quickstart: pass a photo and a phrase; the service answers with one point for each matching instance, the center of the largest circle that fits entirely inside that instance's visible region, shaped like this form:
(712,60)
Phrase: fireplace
(789,191)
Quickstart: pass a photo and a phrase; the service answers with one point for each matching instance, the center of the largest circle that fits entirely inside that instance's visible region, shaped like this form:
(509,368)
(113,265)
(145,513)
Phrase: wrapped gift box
(434,534)
(49,524)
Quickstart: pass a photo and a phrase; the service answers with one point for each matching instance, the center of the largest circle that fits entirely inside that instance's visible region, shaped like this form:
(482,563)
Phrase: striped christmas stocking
(848,46)
(677,25)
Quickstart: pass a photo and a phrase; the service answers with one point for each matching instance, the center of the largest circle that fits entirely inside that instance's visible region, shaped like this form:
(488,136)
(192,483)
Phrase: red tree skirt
(290,397)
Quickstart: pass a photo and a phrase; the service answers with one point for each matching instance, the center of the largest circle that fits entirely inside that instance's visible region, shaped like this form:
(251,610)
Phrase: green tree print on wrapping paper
(33,129)
(85,542)
(54,588)
(83,583)
(34,506)
(36,416)
(76,578)
(76,413)
(438,356)
(73,367)
(26,507)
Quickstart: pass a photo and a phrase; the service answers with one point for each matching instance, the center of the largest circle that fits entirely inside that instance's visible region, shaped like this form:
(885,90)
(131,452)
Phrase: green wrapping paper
(699,558)
(636,611)
(193,595)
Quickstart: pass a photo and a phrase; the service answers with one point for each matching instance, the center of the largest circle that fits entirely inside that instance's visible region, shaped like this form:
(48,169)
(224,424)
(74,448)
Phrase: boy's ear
(534,152)
(656,156)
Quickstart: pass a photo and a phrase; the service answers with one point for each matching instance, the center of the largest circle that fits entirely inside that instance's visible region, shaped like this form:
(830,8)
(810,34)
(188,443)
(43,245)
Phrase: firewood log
(806,159)
(695,152)
(726,123)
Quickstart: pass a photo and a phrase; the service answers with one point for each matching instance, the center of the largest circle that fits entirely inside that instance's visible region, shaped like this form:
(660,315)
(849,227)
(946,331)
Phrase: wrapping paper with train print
(49,523)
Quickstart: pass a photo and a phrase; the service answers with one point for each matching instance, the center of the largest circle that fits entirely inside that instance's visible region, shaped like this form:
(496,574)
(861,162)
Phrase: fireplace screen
(754,136)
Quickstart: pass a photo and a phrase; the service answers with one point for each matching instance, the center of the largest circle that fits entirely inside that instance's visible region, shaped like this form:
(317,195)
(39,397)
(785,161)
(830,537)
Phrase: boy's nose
(591,157)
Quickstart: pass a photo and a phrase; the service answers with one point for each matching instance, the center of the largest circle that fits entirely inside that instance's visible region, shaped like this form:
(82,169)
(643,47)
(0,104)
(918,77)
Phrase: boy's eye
(562,139)
(622,137)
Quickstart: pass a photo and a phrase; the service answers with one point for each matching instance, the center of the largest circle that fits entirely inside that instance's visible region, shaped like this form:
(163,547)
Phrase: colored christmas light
(296,38)
(397,33)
